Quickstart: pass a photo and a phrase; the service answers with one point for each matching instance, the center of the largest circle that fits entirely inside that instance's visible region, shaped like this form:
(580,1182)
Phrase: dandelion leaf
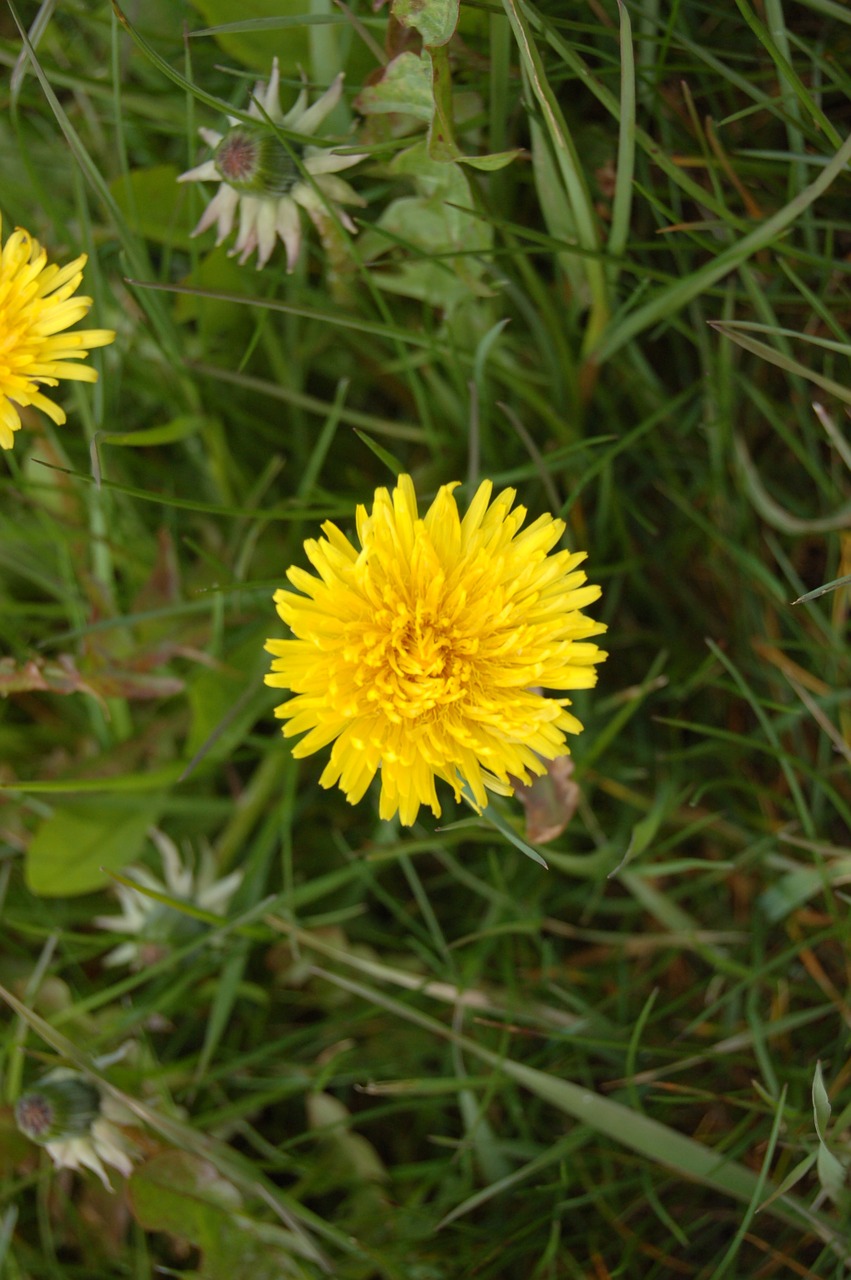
(435,20)
(74,850)
(403,89)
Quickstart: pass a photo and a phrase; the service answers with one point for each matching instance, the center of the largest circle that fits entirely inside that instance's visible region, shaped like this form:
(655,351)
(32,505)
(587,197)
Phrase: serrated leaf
(404,88)
(434,226)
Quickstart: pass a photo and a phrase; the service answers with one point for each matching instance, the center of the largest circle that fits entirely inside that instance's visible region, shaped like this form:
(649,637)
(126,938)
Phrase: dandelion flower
(66,1114)
(154,926)
(260,180)
(423,654)
(37,306)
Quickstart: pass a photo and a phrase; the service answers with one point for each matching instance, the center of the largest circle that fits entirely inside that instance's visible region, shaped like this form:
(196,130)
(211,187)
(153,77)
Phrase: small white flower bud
(63,1105)
(252,160)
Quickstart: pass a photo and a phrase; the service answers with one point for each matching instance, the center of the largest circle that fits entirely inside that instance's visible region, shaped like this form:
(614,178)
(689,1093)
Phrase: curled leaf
(550,801)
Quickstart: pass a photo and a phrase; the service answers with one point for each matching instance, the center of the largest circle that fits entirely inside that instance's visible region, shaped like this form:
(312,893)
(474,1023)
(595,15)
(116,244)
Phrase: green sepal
(63,1105)
(267,167)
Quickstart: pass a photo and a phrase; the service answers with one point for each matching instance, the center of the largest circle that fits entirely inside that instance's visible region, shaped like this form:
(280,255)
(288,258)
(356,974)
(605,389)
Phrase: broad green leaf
(183,1195)
(154,206)
(74,849)
(441,135)
(446,270)
(256,48)
(404,88)
(435,20)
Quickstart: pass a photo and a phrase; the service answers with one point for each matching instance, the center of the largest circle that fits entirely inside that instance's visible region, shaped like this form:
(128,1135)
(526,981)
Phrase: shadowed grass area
(415,1053)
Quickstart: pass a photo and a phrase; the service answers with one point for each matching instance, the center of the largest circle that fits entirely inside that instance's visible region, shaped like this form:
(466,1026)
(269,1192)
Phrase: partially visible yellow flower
(36,307)
(423,654)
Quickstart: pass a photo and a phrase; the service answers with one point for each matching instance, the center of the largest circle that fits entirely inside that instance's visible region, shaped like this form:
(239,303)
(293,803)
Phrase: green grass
(416,1054)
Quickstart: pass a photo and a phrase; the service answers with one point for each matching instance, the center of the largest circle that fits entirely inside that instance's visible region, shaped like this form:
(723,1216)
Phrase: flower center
(414,662)
(34,1115)
(252,160)
(237,158)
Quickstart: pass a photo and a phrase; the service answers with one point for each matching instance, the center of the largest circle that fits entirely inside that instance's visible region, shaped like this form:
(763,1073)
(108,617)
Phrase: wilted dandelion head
(262,187)
(424,653)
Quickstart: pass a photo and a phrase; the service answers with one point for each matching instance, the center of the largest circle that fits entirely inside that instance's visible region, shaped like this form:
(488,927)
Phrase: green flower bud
(63,1105)
(251,159)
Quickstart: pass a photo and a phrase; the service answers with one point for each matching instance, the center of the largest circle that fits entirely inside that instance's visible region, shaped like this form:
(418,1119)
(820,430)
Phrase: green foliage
(74,850)
(832,1173)
(186,1197)
(252,42)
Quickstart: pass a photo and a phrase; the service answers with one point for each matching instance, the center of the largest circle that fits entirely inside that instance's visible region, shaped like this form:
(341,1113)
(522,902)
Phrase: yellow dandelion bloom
(423,653)
(36,307)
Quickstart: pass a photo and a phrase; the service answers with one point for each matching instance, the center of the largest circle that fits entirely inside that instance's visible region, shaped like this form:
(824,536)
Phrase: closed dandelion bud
(261,189)
(63,1105)
(252,161)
